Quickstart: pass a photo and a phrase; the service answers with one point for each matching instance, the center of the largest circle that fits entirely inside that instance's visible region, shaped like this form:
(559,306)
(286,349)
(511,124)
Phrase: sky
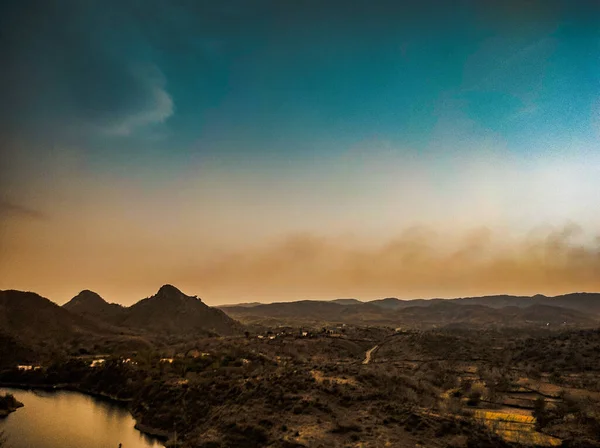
(272,151)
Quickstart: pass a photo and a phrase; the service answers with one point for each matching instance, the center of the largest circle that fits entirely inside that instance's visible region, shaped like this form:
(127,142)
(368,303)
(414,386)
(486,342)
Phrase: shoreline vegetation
(8,404)
(66,387)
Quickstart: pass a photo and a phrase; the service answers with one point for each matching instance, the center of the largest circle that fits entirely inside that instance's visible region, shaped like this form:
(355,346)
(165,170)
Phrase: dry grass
(320,377)
(554,390)
(515,427)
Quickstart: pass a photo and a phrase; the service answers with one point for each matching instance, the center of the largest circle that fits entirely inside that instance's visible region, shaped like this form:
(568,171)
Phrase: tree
(540,413)
(539,406)
(474,398)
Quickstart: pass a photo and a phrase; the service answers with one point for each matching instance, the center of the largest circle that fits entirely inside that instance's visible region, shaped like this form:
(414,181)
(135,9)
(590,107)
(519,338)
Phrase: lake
(65,419)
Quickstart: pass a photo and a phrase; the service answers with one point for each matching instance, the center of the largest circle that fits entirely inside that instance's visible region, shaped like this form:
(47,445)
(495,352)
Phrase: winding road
(369,353)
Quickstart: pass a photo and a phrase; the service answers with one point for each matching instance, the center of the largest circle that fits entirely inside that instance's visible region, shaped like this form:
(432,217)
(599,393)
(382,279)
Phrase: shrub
(474,398)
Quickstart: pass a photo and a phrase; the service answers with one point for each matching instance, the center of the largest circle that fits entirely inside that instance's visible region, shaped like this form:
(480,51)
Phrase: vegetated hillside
(90,304)
(246,305)
(347,301)
(391,303)
(32,328)
(585,302)
(310,311)
(555,315)
(438,313)
(575,351)
(14,351)
(171,311)
(32,318)
(168,311)
(449,313)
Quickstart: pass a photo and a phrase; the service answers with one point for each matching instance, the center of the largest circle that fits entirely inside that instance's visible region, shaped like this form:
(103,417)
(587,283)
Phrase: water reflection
(65,419)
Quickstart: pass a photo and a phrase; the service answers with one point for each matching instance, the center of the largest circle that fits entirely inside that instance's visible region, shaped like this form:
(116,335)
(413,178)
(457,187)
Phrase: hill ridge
(168,310)
(570,309)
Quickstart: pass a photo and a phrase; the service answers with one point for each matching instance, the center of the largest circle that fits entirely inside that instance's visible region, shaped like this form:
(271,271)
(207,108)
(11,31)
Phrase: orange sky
(323,234)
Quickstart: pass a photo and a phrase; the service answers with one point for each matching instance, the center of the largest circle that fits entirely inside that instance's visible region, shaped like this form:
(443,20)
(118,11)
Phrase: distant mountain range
(29,322)
(580,301)
(577,309)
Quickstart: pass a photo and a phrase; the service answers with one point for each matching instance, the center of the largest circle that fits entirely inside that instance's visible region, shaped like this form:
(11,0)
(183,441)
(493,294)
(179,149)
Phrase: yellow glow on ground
(515,427)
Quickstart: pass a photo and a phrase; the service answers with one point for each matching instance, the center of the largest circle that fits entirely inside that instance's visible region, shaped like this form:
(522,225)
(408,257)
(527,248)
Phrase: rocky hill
(171,311)
(32,317)
(89,303)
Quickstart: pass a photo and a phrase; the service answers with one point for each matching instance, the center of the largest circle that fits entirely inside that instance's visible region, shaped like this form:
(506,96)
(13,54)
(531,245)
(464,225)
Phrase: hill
(585,302)
(171,311)
(32,327)
(14,351)
(168,311)
(450,313)
(31,317)
(347,301)
(391,303)
(308,312)
(247,305)
(425,314)
(90,304)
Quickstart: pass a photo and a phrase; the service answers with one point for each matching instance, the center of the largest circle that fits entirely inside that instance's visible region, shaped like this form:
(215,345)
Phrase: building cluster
(290,332)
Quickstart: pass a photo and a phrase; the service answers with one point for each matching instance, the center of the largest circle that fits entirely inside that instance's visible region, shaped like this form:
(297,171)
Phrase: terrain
(573,310)
(310,373)
(88,303)
(35,329)
(168,311)
(581,301)
(8,404)
(32,327)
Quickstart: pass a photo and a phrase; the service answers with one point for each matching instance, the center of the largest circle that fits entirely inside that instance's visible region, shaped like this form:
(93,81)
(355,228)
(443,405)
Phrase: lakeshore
(143,428)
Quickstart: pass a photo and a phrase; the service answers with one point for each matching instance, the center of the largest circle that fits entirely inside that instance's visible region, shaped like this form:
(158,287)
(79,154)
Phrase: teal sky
(189,127)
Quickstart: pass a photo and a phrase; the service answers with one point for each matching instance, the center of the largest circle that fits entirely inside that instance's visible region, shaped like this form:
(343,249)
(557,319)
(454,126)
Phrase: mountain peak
(173,311)
(91,304)
(86,294)
(169,291)
(86,297)
(172,293)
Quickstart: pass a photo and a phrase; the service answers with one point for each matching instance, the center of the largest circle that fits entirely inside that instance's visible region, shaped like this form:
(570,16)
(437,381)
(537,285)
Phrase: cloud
(420,262)
(160,106)
(11,209)
(71,68)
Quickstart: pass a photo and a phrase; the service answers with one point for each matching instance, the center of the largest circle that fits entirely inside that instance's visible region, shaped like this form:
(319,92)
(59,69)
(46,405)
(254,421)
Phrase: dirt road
(369,353)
